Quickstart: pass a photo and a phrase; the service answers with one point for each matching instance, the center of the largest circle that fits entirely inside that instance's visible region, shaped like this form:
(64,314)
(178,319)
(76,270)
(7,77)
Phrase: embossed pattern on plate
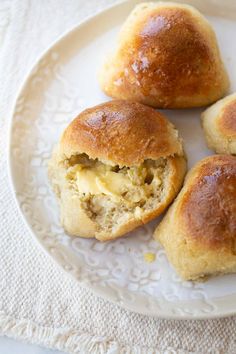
(61,85)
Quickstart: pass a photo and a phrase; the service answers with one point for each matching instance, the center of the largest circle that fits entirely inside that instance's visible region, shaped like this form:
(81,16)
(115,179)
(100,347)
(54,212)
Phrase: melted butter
(133,184)
(100,180)
(149,257)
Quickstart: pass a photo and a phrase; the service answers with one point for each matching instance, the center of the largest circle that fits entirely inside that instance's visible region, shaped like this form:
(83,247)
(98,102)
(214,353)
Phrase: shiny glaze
(208,210)
(167,56)
(122,131)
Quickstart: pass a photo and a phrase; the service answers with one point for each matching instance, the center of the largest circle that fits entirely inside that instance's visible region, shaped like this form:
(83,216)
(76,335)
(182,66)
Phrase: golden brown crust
(227,120)
(208,208)
(190,52)
(121,132)
(167,57)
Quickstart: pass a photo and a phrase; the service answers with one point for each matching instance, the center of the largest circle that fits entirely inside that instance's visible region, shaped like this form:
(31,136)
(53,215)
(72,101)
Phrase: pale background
(66,316)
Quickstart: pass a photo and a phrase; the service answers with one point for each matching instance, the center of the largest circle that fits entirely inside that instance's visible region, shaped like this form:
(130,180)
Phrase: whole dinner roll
(199,230)
(167,56)
(117,166)
(219,125)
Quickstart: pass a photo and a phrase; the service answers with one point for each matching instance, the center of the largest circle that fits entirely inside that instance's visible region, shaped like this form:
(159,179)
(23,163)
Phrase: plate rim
(220,313)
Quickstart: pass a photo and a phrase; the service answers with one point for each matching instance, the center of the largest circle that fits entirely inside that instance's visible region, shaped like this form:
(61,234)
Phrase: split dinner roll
(118,165)
(219,125)
(167,56)
(199,230)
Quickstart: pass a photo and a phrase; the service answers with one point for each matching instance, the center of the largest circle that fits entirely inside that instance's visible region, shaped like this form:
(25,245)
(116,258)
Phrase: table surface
(11,346)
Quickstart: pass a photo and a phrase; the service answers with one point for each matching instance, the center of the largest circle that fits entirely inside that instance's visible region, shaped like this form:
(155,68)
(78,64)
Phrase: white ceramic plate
(62,84)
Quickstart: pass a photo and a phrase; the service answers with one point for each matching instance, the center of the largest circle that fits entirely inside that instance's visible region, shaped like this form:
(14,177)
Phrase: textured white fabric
(38,302)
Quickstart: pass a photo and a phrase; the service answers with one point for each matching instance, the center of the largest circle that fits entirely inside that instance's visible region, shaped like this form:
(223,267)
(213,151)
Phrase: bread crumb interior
(110,195)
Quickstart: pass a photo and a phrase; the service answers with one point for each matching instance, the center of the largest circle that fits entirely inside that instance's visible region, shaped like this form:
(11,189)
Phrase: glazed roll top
(167,56)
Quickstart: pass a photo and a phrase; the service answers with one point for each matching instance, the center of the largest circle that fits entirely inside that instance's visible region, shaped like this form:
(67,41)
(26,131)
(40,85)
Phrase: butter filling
(132,184)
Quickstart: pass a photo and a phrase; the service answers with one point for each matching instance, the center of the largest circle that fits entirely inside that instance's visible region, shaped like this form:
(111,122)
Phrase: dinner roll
(219,124)
(118,165)
(199,230)
(167,57)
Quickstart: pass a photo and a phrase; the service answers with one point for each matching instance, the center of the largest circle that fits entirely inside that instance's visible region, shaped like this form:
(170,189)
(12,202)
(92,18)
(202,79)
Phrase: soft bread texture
(117,166)
(199,230)
(219,125)
(167,57)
